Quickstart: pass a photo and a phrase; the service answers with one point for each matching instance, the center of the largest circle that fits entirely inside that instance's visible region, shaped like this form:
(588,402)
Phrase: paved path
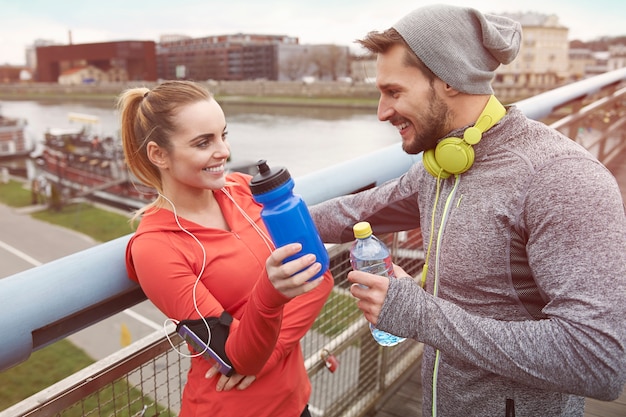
(26,242)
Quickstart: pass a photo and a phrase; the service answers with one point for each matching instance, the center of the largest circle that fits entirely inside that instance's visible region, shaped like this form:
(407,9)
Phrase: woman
(201,249)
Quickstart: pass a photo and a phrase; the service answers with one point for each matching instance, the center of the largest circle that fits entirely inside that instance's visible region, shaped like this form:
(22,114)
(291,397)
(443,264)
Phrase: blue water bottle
(370,254)
(286,215)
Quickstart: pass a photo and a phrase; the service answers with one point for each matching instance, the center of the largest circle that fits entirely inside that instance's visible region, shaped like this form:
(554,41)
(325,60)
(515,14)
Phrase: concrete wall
(319,89)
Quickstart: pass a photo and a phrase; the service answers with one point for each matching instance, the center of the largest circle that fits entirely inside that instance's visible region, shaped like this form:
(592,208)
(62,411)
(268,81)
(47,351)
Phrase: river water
(301,139)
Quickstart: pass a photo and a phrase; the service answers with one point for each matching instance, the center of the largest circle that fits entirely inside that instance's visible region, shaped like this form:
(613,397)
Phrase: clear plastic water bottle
(286,215)
(369,254)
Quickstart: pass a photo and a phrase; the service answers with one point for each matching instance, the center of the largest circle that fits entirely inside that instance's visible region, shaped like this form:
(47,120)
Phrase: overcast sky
(312,21)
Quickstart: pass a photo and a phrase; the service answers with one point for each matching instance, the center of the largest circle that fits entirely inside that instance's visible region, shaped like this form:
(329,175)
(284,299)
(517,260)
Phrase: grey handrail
(49,302)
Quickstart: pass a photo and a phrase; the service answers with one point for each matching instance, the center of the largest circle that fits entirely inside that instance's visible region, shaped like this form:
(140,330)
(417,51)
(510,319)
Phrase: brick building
(14,74)
(224,57)
(135,59)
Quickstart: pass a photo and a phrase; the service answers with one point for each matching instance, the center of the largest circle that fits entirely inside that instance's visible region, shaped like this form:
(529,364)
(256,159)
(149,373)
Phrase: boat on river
(81,162)
(13,140)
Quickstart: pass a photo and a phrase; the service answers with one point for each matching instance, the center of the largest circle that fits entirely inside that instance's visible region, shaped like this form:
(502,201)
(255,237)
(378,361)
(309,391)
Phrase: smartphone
(200,346)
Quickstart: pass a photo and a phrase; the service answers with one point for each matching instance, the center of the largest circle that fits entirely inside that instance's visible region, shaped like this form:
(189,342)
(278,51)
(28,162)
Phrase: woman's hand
(291,278)
(226,383)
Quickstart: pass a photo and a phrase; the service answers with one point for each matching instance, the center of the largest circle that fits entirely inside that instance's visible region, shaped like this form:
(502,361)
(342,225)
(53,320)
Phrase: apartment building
(224,57)
(543,59)
(617,57)
(542,62)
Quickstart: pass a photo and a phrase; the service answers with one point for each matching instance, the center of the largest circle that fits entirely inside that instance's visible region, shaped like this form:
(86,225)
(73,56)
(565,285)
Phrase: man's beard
(434,124)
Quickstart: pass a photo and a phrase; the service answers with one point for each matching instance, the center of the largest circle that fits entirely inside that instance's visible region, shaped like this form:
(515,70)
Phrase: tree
(295,66)
(330,61)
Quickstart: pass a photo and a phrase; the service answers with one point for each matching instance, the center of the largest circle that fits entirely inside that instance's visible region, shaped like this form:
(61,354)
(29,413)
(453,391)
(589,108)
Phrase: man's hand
(371,291)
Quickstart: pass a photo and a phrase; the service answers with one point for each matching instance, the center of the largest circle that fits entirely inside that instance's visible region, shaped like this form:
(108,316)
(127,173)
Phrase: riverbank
(271,93)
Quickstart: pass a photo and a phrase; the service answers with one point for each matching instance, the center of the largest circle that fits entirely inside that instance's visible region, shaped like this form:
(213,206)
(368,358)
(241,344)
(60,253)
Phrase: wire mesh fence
(147,377)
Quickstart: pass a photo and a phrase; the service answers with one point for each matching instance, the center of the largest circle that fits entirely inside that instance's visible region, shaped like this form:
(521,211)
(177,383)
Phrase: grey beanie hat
(462,46)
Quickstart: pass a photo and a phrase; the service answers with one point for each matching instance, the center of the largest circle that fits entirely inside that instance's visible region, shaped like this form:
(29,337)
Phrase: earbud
(453,156)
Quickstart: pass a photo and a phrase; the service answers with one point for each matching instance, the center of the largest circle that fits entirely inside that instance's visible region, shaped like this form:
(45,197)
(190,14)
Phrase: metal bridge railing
(598,124)
(146,378)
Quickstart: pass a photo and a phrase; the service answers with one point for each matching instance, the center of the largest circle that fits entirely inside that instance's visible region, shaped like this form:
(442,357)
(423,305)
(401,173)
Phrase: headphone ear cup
(454,155)
(432,166)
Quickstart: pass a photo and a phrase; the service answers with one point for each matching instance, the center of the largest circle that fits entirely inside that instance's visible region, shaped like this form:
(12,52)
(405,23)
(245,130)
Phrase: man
(522,306)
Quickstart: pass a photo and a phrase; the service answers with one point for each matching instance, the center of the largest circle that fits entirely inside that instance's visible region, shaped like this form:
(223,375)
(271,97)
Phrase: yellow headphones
(454,156)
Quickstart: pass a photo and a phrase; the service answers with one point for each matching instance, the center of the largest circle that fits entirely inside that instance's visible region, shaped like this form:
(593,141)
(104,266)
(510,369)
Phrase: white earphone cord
(268,242)
(193,292)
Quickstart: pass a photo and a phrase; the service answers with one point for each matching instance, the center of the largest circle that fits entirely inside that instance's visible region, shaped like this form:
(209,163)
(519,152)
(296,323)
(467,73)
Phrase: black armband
(195,333)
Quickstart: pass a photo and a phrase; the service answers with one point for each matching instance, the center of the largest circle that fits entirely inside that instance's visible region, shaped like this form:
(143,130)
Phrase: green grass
(339,311)
(59,360)
(117,399)
(302,101)
(330,101)
(101,225)
(14,194)
(37,372)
